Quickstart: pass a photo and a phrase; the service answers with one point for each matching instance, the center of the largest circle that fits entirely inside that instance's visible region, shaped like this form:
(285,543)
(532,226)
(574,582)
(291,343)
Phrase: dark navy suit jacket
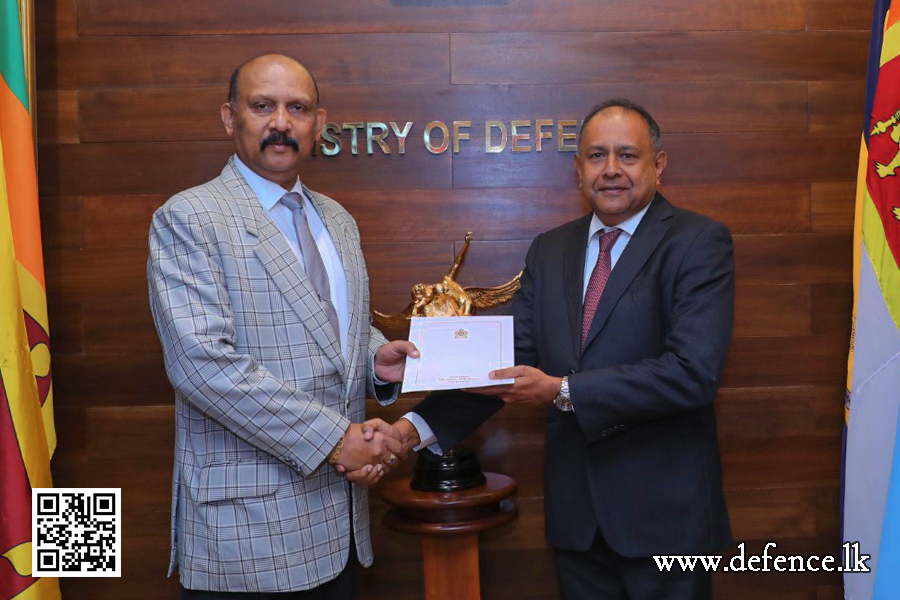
(639,456)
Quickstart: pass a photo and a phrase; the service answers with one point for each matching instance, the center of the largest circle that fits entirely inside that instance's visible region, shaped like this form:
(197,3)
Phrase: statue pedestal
(448,523)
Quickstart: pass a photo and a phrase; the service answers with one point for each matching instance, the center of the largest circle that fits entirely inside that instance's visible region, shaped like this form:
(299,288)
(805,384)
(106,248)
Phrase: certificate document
(458,352)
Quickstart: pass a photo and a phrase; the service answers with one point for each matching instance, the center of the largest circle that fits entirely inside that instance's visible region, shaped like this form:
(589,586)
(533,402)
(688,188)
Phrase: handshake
(371,449)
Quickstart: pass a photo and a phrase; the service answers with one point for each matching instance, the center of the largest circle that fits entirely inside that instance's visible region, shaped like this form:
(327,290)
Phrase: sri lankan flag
(872,455)
(27,437)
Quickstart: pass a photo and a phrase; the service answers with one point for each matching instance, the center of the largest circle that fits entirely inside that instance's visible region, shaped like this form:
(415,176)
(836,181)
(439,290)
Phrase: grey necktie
(312,260)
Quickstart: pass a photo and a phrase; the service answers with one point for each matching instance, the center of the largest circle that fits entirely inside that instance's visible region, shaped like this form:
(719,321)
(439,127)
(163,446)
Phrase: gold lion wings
(447,298)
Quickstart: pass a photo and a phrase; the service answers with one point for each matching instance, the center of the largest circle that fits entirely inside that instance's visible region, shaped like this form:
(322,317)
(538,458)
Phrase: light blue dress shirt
(269,195)
(592,252)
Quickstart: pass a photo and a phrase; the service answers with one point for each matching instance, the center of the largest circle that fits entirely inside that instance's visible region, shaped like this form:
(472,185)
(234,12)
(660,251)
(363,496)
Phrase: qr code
(75,532)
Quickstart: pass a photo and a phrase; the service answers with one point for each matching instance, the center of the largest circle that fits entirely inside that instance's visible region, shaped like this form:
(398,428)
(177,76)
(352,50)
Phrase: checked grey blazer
(262,392)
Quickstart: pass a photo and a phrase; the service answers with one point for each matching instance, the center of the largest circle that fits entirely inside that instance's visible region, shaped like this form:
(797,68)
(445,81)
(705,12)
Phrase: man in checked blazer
(621,329)
(270,356)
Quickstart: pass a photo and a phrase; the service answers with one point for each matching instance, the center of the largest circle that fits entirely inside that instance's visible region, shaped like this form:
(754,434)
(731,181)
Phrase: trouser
(602,574)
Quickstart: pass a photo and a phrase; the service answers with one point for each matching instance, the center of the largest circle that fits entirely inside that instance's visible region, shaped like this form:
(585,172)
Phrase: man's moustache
(279,137)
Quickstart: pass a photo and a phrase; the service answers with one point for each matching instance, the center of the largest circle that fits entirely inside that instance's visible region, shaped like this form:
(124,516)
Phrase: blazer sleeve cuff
(581,394)
(384,392)
(311,456)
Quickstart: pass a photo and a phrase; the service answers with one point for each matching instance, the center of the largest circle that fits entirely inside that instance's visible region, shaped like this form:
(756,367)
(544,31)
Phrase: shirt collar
(629,225)
(267,192)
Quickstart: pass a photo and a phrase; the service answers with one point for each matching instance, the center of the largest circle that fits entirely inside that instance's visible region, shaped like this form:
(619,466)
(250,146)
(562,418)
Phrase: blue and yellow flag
(27,436)
(872,460)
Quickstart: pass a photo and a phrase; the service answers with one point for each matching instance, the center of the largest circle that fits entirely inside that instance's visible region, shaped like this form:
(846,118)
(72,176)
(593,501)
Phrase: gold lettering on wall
(519,137)
(562,136)
(371,136)
(330,133)
(514,136)
(539,134)
(352,127)
(445,142)
(457,135)
(489,146)
(401,136)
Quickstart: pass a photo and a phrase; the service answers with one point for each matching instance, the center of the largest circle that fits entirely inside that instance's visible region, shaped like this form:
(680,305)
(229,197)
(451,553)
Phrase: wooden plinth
(449,523)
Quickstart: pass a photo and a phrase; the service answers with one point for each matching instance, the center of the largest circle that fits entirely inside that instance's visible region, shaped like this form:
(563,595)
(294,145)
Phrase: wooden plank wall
(760,104)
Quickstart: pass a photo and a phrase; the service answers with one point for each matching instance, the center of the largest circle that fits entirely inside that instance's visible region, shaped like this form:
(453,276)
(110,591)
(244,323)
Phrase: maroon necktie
(599,277)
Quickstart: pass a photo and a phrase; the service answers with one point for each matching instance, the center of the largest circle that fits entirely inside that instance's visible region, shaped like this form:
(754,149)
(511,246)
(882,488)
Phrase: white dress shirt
(592,252)
(269,195)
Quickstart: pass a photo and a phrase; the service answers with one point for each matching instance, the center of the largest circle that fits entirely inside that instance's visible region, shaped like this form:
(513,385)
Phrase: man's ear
(227,114)
(662,159)
(577,170)
(321,116)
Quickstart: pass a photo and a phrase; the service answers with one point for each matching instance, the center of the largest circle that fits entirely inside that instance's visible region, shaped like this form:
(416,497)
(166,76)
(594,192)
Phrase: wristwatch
(563,400)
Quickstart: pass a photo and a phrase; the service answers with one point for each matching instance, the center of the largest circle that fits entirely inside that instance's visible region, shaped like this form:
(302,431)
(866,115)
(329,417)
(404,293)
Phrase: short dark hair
(233,84)
(625,104)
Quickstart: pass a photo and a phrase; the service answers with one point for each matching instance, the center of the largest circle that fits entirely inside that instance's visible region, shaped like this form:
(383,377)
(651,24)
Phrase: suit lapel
(573,278)
(283,267)
(350,261)
(646,238)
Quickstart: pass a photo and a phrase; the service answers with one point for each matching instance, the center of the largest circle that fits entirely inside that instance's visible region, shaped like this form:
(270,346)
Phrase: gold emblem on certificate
(458,352)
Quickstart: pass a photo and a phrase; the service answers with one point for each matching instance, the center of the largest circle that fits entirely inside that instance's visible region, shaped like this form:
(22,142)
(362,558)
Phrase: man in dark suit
(621,326)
